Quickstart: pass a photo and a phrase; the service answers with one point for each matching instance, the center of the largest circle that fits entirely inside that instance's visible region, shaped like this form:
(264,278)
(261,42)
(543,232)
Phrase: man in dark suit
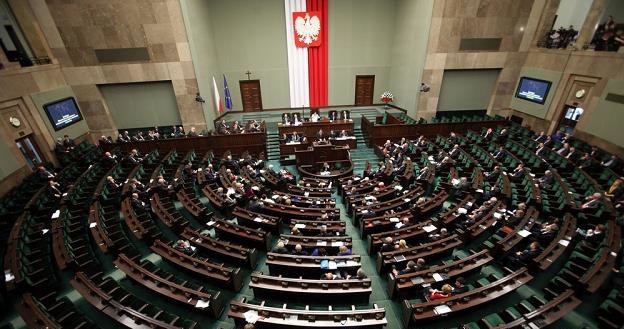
(541,150)
(345,115)
(500,154)
(493,175)
(541,137)
(137,204)
(547,180)
(454,151)
(54,190)
(333,115)
(109,160)
(44,174)
(320,136)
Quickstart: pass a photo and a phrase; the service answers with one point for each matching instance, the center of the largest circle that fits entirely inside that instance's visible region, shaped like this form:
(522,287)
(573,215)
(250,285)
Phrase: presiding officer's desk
(309,129)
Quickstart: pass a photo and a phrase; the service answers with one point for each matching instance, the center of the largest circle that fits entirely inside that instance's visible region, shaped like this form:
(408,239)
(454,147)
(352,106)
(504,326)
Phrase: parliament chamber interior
(376,164)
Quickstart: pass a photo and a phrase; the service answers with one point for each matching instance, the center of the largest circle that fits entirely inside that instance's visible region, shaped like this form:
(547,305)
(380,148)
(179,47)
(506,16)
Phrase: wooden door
(364,88)
(251,95)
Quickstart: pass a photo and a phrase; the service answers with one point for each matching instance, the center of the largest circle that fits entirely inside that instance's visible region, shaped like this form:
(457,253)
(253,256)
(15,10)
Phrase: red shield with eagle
(307,28)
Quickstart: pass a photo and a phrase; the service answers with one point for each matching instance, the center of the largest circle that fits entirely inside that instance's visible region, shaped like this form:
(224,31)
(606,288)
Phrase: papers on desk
(407,199)
(202,303)
(337,243)
(251,316)
(398,187)
(352,263)
(394,219)
(462,211)
(44,231)
(8,276)
(442,309)
(564,242)
(468,204)
(306,194)
(300,225)
(325,173)
(321,243)
(56,214)
(524,233)
(399,225)
(370,197)
(430,158)
(429,228)
(293,143)
(498,215)
(275,196)
(331,265)
(479,190)
(356,178)
(399,258)
(210,223)
(439,277)
(258,219)
(417,280)
(455,181)
(92,225)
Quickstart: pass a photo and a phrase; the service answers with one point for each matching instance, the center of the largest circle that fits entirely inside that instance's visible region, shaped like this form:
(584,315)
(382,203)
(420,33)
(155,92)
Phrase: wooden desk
(309,129)
(255,143)
(169,289)
(284,318)
(475,297)
(310,290)
(404,284)
(309,266)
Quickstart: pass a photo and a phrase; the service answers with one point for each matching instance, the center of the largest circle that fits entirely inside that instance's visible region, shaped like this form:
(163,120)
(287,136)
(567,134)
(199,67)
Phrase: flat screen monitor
(533,90)
(63,113)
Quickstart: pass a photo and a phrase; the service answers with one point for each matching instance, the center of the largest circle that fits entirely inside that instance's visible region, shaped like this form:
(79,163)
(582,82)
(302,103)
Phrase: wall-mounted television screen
(533,90)
(63,112)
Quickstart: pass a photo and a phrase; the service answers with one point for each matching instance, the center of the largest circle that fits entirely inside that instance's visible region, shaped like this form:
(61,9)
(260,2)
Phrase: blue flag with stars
(228,98)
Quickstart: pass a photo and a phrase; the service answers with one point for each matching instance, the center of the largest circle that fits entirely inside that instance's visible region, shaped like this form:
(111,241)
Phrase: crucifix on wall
(248,75)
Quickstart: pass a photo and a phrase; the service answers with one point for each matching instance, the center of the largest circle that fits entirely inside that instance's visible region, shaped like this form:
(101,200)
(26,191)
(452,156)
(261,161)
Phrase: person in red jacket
(446,291)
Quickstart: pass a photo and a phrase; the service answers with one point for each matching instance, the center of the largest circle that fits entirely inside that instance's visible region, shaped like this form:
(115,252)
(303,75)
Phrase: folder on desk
(417,280)
(399,258)
(442,309)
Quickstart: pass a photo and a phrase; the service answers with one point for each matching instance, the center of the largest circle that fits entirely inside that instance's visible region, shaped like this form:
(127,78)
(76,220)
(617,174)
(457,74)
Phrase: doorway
(251,95)
(30,151)
(570,116)
(364,89)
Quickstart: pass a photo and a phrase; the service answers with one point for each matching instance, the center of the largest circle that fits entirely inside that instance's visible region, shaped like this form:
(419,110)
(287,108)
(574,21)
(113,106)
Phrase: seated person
(612,162)
(387,244)
(134,157)
(223,128)
(591,202)
(295,138)
(411,267)
(500,154)
(493,175)
(184,246)
(345,115)
(325,167)
(280,248)
(546,181)
(344,251)
(299,251)
(54,190)
(192,133)
(616,190)
(137,204)
(315,116)
(236,128)
(321,136)
(296,120)
(124,137)
(359,275)
(286,118)
(445,292)
(331,276)
(319,252)
(522,257)
(111,184)
(343,133)
(593,236)
(44,175)
(460,286)
(438,236)
(518,172)
(333,115)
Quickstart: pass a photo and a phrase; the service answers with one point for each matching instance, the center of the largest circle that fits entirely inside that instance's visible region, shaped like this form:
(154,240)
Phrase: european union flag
(228,98)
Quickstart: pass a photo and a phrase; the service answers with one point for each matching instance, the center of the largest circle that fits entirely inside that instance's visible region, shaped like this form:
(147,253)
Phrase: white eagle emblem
(307,28)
